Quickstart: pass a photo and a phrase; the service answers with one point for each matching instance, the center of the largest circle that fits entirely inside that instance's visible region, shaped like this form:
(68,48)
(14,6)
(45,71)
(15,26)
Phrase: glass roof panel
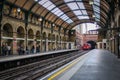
(96,15)
(78,12)
(96,8)
(54,9)
(64,17)
(47,4)
(69,20)
(83,17)
(69,0)
(50,7)
(84,12)
(97,19)
(96,2)
(81,5)
(57,11)
(42,2)
(73,6)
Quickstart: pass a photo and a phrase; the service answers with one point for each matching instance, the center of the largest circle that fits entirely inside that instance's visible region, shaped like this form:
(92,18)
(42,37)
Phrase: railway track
(37,69)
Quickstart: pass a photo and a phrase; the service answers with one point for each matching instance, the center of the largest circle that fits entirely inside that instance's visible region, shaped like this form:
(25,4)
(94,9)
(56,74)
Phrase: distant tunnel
(92,43)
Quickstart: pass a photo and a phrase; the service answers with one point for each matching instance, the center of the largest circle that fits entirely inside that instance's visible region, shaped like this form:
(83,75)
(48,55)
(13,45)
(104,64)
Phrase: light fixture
(93,16)
(91,2)
(40,19)
(18,9)
(53,24)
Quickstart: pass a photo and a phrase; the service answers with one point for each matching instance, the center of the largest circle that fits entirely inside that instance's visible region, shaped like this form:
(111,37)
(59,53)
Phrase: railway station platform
(18,57)
(13,61)
(95,65)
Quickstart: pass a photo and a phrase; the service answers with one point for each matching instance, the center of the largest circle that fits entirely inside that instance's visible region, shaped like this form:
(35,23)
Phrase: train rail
(37,69)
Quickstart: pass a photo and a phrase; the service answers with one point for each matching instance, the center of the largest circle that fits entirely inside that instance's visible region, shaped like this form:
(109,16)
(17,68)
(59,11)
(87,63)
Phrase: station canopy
(67,13)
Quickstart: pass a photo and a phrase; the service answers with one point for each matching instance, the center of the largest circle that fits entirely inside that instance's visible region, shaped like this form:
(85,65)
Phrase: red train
(86,46)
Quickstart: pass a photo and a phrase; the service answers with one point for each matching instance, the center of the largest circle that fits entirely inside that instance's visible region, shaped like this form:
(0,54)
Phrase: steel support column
(1,16)
(26,29)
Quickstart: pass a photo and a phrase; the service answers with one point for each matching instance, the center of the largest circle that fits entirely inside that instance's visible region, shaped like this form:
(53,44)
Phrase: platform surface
(101,65)
(95,65)
(17,57)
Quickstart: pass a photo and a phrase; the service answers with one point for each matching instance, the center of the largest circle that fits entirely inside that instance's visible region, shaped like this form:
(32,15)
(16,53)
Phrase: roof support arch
(72,2)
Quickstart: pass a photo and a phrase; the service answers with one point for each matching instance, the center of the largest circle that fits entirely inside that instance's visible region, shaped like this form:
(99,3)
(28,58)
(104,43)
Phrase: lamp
(91,2)
(53,24)
(40,19)
(93,16)
(18,9)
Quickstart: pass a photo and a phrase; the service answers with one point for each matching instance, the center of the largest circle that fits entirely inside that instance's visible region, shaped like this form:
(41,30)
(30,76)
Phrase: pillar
(41,45)
(15,46)
(26,37)
(34,43)
(46,44)
(55,44)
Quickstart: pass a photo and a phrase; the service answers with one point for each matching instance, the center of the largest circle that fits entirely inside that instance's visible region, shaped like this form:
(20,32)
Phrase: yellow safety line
(64,69)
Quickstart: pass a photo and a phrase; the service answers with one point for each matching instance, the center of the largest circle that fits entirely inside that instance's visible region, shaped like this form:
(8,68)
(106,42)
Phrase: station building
(48,24)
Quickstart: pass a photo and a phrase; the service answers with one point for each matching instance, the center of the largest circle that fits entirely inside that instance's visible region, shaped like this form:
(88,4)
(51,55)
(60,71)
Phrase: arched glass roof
(67,13)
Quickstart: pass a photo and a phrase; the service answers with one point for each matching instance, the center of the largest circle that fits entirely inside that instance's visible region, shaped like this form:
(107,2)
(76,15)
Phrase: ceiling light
(40,19)
(18,9)
(91,2)
(93,16)
(53,25)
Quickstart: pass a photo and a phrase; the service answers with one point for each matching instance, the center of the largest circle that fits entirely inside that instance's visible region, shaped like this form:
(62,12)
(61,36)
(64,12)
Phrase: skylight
(73,4)
(78,8)
(96,8)
(83,17)
(78,12)
(54,9)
